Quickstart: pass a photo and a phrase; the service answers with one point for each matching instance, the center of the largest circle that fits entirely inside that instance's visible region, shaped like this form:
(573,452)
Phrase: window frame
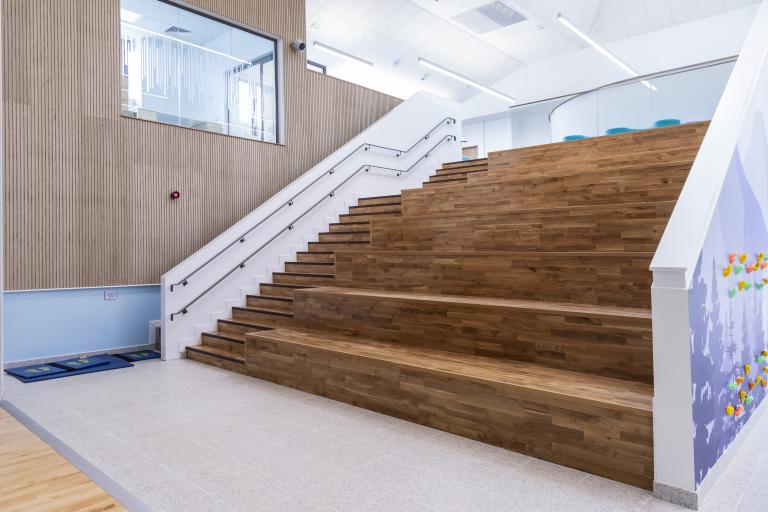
(279,69)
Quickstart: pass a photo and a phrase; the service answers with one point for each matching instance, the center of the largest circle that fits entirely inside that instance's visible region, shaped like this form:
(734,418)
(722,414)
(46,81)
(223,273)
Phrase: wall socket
(110,295)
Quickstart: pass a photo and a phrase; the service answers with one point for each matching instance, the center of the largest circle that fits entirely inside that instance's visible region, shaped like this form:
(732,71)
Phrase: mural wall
(727,306)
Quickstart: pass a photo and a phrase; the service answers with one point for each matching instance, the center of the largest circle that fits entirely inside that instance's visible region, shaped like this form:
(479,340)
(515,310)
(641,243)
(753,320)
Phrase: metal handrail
(288,227)
(365,146)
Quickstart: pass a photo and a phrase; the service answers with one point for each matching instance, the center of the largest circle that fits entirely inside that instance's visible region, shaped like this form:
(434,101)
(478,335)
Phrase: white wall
(689,43)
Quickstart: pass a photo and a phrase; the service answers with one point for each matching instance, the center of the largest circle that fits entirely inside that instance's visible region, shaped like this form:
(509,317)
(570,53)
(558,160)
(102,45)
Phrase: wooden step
(234,343)
(270,302)
(661,182)
(465,163)
(451,178)
(231,326)
(602,340)
(262,316)
(647,146)
(595,424)
(346,236)
(349,226)
(303,278)
(378,200)
(315,257)
(625,227)
(337,246)
(388,208)
(280,289)
(346,218)
(216,357)
(309,268)
(462,171)
(601,278)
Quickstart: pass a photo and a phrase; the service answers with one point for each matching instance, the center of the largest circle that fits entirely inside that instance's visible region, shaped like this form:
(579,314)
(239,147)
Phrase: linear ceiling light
(468,81)
(602,49)
(339,53)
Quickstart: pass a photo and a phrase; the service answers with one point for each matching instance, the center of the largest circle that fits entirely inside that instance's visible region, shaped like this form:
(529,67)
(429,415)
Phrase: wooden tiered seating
(508,300)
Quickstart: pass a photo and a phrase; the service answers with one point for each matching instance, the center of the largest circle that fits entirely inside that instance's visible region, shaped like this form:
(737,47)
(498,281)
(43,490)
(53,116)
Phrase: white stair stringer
(213,274)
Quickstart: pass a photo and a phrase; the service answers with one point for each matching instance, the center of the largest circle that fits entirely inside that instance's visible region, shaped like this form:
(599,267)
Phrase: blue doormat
(138,355)
(37,372)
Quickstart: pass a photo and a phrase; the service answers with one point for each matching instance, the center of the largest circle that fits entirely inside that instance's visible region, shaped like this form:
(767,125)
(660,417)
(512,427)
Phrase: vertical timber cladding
(86,190)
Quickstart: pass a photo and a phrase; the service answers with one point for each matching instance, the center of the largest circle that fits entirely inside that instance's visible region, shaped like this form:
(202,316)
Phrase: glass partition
(676,97)
(187,69)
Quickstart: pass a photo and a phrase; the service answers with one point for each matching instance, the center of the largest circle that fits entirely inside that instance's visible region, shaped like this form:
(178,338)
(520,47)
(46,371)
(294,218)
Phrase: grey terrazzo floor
(182,436)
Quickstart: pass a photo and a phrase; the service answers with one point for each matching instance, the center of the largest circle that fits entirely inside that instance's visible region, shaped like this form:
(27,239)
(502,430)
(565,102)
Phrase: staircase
(507,300)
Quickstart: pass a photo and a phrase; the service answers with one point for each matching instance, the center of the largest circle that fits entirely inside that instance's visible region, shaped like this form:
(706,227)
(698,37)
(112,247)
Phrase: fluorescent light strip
(166,36)
(468,81)
(339,53)
(602,49)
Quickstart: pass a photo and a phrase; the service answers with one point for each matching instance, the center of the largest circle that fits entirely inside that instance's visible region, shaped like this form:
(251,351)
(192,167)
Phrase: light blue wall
(48,323)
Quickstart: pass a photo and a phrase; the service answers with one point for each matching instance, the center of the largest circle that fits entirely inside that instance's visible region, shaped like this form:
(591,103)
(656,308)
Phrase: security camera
(299,45)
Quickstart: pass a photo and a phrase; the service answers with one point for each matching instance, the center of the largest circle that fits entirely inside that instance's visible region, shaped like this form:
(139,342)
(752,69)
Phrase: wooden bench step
(346,236)
(301,278)
(216,357)
(465,163)
(281,289)
(270,302)
(315,257)
(623,227)
(601,278)
(347,226)
(378,200)
(602,340)
(230,326)
(309,267)
(551,414)
(261,316)
(388,208)
(234,343)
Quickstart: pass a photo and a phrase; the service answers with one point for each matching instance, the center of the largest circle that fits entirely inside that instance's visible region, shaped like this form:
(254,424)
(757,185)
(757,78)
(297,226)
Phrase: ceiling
(394,33)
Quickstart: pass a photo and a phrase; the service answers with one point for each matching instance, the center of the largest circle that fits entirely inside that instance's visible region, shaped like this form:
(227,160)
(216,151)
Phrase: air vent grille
(177,30)
(489,17)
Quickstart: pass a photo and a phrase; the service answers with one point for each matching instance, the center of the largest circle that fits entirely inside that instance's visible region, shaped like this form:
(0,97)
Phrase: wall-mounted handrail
(364,146)
(289,226)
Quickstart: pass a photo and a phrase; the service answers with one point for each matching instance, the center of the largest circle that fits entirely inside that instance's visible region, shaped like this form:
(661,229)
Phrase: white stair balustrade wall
(271,243)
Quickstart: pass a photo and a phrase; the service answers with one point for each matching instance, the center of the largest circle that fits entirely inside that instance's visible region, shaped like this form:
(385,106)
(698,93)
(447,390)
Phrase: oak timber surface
(34,478)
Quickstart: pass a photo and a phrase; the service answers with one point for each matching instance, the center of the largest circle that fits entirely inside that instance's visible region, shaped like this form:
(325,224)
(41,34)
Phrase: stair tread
(575,254)
(303,274)
(217,352)
(597,390)
(243,323)
(262,310)
(533,306)
(272,297)
(379,197)
(355,232)
(237,337)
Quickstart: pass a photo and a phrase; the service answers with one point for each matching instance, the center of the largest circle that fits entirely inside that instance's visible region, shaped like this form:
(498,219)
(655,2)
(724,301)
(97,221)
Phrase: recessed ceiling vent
(488,17)
(177,30)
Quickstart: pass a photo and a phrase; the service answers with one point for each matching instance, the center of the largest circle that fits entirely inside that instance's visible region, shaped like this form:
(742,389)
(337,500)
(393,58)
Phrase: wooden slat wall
(87,190)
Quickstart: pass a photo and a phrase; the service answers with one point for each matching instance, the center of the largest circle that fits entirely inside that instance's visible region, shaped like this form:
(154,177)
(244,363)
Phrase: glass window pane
(185,68)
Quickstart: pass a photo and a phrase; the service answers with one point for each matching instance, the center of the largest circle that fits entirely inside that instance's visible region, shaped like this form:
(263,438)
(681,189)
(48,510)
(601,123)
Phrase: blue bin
(661,123)
(569,138)
(618,130)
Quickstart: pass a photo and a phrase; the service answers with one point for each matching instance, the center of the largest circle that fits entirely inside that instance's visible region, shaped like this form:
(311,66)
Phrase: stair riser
(600,280)
(630,228)
(309,257)
(271,304)
(618,347)
(438,180)
(303,280)
(310,268)
(383,209)
(376,201)
(238,329)
(243,315)
(333,247)
(216,361)
(345,237)
(459,172)
(348,218)
(350,226)
(222,344)
(275,291)
(583,436)
(642,185)
(466,163)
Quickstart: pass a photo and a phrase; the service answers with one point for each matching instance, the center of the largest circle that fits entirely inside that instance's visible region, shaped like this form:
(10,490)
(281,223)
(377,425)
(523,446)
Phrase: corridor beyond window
(187,69)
